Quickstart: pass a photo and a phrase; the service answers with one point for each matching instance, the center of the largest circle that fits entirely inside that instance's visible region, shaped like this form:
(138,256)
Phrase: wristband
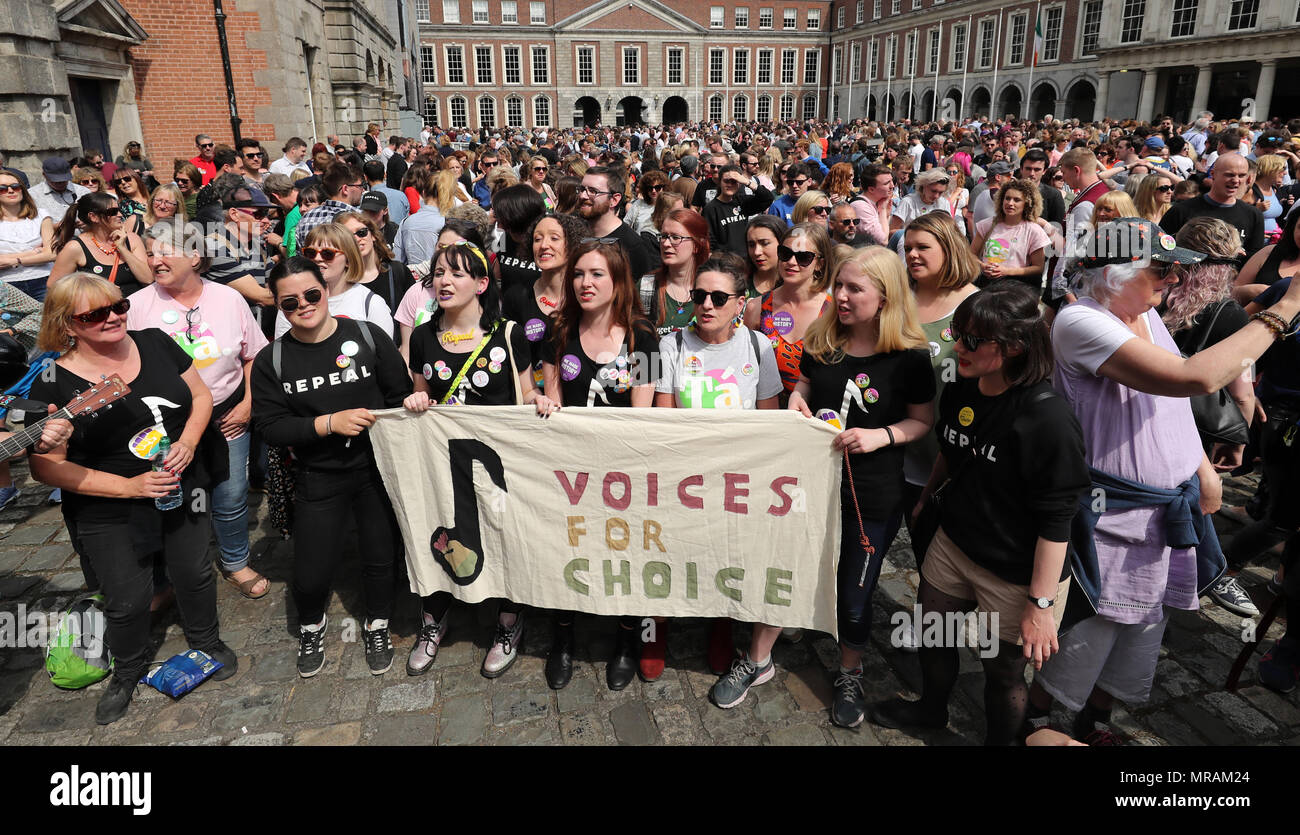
(890,432)
(328,418)
(1274,322)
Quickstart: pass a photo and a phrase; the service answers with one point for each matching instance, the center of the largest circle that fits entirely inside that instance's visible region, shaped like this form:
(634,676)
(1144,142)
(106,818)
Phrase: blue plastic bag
(182,672)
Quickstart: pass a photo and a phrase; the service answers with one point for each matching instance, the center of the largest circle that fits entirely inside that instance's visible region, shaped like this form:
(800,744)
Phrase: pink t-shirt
(416,307)
(1010,246)
(220,336)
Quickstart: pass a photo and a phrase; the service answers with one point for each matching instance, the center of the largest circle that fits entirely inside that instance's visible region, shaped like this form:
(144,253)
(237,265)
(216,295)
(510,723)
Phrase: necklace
(108,248)
(450,338)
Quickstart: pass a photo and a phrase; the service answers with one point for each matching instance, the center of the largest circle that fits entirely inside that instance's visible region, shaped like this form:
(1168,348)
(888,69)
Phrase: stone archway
(586,112)
(1043,101)
(1010,101)
(630,111)
(928,109)
(1081,101)
(954,93)
(981,103)
(676,110)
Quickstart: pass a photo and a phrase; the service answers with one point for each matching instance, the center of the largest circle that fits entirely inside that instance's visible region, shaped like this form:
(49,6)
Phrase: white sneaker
(505,647)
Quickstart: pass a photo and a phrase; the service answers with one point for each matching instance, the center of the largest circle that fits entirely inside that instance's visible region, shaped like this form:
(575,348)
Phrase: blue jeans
(230,508)
(34,287)
(857,575)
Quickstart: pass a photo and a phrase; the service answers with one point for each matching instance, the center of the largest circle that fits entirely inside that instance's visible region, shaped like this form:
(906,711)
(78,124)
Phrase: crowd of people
(1006,317)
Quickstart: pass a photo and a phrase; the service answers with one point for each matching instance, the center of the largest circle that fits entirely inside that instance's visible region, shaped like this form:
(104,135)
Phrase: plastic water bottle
(173,499)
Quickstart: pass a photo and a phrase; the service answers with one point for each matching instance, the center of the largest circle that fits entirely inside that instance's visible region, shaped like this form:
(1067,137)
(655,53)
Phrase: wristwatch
(1041,602)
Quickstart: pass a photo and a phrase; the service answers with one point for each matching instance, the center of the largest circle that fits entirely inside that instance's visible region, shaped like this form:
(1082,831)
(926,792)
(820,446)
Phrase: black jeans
(121,553)
(323,501)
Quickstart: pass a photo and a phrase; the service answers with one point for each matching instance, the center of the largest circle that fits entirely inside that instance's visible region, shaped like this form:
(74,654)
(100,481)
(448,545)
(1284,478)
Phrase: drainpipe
(220,16)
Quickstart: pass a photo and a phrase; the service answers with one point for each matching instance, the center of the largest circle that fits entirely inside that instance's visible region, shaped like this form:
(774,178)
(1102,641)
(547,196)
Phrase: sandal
(247,586)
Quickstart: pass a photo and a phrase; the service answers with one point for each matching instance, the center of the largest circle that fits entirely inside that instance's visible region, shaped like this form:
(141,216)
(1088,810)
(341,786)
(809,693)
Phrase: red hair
(698,230)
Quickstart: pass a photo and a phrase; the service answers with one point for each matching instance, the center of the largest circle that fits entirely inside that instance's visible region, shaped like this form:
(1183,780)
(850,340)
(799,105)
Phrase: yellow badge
(966,416)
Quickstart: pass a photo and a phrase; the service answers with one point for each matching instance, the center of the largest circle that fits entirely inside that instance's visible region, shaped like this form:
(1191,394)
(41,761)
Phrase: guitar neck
(19,441)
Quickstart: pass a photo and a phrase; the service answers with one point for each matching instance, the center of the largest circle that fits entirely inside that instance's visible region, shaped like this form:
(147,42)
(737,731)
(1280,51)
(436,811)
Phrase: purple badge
(783,323)
(534,329)
(569,367)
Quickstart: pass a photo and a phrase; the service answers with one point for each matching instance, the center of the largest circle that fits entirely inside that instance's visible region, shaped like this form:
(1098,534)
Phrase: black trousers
(323,502)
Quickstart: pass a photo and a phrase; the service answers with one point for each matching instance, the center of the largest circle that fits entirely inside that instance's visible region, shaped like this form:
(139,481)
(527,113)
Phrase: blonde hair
(799,213)
(168,190)
(1270,165)
(448,188)
(1147,204)
(341,238)
(899,324)
(960,266)
(1117,200)
(61,303)
(821,242)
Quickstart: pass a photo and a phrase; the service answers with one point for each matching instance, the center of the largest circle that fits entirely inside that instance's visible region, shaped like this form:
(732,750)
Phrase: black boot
(226,655)
(559,664)
(622,667)
(115,700)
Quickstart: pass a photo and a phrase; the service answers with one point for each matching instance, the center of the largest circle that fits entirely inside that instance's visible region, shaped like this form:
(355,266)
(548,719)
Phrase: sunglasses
(361,233)
(191,319)
(324,253)
(100,314)
(252,154)
(971,343)
(182,181)
(1163,189)
(718,297)
(803,259)
(259,214)
(87,182)
(12,188)
(802,181)
(849,221)
(728,182)
(820,210)
(312,296)
(541,168)
(119,181)
(611,240)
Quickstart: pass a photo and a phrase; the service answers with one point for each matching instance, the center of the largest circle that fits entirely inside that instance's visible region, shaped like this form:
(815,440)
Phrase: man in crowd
(728,214)
(982,205)
(875,211)
(395,166)
(398,207)
(709,184)
(251,157)
(1226,178)
(58,192)
(1032,167)
(844,227)
(283,193)
(294,159)
(203,160)
(374,205)
(235,247)
(344,185)
(488,160)
(418,234)
(798,179)
(599,198)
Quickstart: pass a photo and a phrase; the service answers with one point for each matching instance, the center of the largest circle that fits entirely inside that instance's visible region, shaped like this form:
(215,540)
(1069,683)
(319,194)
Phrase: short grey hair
(1101,284)
(933,175)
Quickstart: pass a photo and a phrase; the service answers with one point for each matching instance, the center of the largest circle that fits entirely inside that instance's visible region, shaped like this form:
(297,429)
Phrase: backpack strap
(276,358)
(753,342)
(392,284)
(367,335)
(647,293)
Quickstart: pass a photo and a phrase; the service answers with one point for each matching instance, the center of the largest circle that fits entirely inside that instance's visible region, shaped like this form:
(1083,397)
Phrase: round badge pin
(444,373)
(966,416)
(170,317)
(946,334)
(494,367)
(620,361)
(98,269)
(534,330)
(342,361)
(480,379)
(1167,242)
(428,371)
(569,367)
(862,381)
(747,369)
(871,395)
(439,365)
(349,348)
(497,354)
(481,362)
(783,323)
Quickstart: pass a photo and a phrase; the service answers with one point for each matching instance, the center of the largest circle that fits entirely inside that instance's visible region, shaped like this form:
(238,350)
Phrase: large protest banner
(620,511)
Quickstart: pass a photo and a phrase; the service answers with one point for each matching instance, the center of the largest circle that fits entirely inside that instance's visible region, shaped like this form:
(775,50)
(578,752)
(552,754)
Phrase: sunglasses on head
(718,297)
(803,259)
(969,342)
(100,314)
(325,254)
(291,303)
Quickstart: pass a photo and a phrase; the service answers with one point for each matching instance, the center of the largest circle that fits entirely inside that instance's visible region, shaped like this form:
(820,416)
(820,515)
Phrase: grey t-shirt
(726,376)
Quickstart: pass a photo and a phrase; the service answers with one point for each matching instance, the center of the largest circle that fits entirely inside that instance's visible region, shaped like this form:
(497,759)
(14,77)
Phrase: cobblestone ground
(266,703)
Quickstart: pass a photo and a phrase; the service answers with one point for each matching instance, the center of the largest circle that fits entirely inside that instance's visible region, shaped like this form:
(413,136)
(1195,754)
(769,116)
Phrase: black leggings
(437,604)
(323,501)
(1282,473)
(121,554)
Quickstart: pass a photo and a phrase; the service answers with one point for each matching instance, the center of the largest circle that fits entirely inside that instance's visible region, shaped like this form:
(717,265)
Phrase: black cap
(373,201)
(255,200)
(1129,240)
(56,169)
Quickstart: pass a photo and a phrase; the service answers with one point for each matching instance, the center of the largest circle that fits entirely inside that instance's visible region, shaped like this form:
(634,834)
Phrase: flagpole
(848,75)
(871,74)
(1029,90)
(889,84)
(934,101)
(965,64)
(997,51)
(911,84)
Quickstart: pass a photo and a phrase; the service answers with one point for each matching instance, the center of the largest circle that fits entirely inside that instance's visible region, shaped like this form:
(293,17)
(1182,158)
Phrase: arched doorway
(980,103)
(1043,102)
(675,110)
(905,107)
(1081,101)
(928,110)
(629,111)
(869,105)
(586,112)
(954,95)
(1010,102)
(890,106)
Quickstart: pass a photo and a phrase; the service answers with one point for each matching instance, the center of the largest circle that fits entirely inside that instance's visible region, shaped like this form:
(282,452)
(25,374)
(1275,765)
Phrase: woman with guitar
(115,474)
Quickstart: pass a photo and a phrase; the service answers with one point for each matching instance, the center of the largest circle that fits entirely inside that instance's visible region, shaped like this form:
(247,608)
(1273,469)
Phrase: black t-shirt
(487,382)
(1245,218)
(584,382)
(633,248)
(1279,367)
(869,393)
(391,284)
(339,373)
(395,171)
(1230,319)
(520,306)
(1053,203)
(121,440)
(516,271)
(1017,472)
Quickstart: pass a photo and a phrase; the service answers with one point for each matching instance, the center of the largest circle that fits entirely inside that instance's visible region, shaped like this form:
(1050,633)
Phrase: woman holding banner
(869,367)
(467,327)
(599,355)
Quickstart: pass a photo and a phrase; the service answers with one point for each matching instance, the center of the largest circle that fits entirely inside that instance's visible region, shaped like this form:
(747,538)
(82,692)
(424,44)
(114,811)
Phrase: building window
(909,55)
(894,7)
(839,18)
(459,114)
(763,113)
(483,64)
(715,107)
(873,59)
(515,112)
(860,9)
(510,60)
(790,19)
(1243,14)
(716,17)
(1089,27)
(916,4)
(510,14)
(716,60)
(892,60)
(986,44)
(837,66)
(875,9)
(487,112)
(958,62)
(537,17)
(1130,24)
(787,66)
(1016,52)
(812,65)
(674,65)
(787,108)
(455,66)
(740,67)
(764,67)
(815,19)
(932,66)
(855,61)
(422,11)
(451,14)
(1184,24)
(542,112)
(1052,33)
(835,106)
(586,65)
(742,17)
(541,65)
(631,65)
(431,110)
(480,11)
(810,106)
(764,18)
(428,71)
(740,108)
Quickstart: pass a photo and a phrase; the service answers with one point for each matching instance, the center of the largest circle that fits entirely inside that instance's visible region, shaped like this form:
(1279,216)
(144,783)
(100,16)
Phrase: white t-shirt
(916,151)
(726,376)
(22,236)
(357,302)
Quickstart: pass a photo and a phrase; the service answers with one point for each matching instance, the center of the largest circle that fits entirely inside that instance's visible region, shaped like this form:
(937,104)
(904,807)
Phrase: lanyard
(464,369)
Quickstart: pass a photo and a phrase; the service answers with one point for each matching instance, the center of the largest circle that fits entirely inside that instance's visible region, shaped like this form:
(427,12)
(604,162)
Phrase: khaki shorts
(953,573)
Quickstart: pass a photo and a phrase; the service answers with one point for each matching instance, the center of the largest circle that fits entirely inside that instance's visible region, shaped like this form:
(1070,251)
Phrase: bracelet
(1274,322)
(328,418)
(890,432)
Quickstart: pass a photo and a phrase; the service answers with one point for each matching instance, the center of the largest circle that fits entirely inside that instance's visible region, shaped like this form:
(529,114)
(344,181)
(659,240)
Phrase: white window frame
(812,60)
(909,54)
(809,112)
(423,6)
(855,61)
(1080,45)
(448,74)
(770,54)
(517,51)
(875,9)
(1175,23)
(546,64)
(452,121)
(1023,19)
(789,19)
(479,12)
(717,101)
(1132,10)
(485,98)
(891,59)
(513,6)
(740,108)
(932,52)
(717,17)
(957,59)
(578,49)
(839,18)
(813,21)
(763,108)
(635,52)
(492,65)
(1236,11)
(793,55)
(538,121)
(786,112)
(895,6)
(765,12)
(916,5)
(668,66)
(739,57)
(860,10)
(534,7)
(452,6)
(1059,10)
(519,102)
(430,77)
(740,19)
(837,65)
(986,25)
(717,66)
(873,59)
(431,110)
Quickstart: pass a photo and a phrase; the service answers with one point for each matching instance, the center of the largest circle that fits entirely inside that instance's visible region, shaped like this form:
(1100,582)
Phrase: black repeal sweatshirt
(728,221)
(1018,471)
(340,373)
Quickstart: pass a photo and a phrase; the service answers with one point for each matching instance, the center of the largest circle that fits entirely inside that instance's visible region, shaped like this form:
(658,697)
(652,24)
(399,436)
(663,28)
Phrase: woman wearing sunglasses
(1012,243)
(598,354)
(214,325)
(1154,197)
(189,180)
(104,249)
(421,299)
(812,207)
(326,426)
(639,211)
(537,168)
(334,250)
(805,260)
(467,327)
(108,477)
(729,367)
(132,197)
(26,239)
(381,273)
(866,363)
(666,293)
(90,178)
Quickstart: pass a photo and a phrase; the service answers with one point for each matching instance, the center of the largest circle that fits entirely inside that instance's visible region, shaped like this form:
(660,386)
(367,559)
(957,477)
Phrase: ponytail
(97,202)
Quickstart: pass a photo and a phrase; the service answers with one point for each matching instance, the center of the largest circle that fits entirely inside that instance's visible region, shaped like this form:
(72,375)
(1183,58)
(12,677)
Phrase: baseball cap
(56,169)
(1154,142)
(255,200)
(1130,240)
(373,201)
(999,167)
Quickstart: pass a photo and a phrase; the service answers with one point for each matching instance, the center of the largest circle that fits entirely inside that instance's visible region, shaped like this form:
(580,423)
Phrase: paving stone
(810,689)
(678,725)
(1172,729)
(589,728)
(404,698)
(864,734)
(771,702)
(801,735)
(463,721)
(699,682)
(309,701)
(1229,645)
(402,729)
(11,558)
(1206,724)
(278,664)
(48,558)
(1210,666)
(31,535)
(544,732)
(1175,681)
(632,725)
(68,581)
(258,740)
(1241,715)
(253,710)
(177,717)
(349,703)
(13,587)
(724,726)
(344,734)
(1272,705)
(579,694)
(667,689)
(512,705)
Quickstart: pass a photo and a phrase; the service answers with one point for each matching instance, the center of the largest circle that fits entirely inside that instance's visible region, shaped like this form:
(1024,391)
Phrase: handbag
(1218,419)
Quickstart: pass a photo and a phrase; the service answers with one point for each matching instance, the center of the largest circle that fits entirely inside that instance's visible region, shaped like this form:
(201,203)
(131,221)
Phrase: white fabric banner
(672,512)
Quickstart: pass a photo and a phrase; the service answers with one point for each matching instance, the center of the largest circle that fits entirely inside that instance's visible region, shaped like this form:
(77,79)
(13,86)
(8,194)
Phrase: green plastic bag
(77,654)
